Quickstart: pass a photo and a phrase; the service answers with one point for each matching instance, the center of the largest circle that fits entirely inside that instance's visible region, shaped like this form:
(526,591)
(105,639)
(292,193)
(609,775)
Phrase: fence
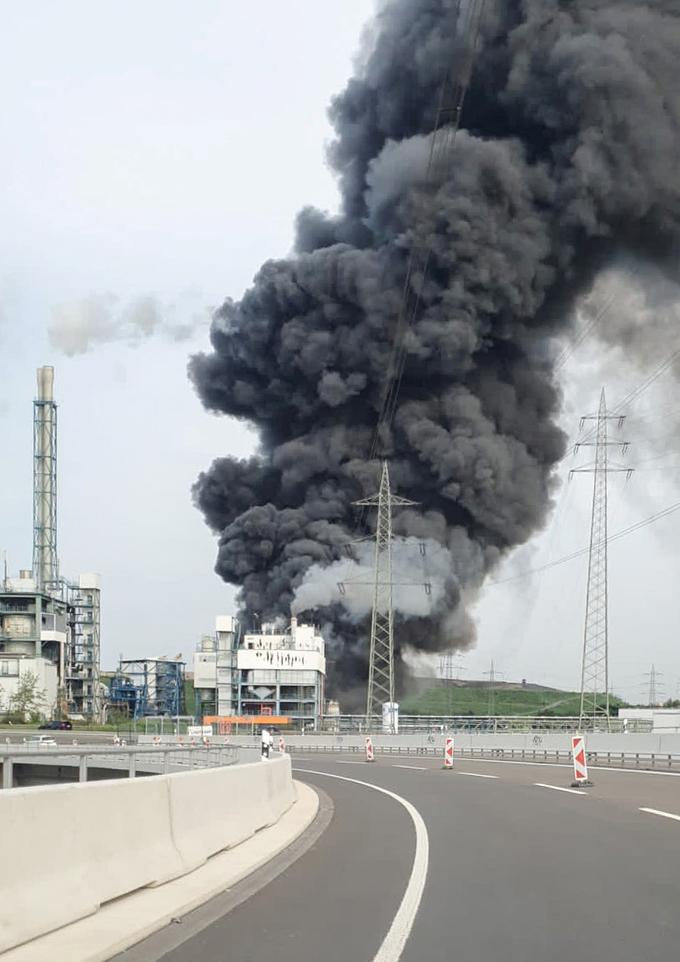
(348,724)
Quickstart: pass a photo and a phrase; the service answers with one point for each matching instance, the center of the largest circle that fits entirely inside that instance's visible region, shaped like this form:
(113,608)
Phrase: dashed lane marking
(558,788)
(477,775)
(655,811)
(413,768)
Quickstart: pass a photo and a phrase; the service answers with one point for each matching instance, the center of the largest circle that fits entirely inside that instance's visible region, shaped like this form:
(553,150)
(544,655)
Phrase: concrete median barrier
(221,807)
(67,849)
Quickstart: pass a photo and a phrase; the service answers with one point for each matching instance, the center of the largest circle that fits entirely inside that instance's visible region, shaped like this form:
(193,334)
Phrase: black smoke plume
(566,161)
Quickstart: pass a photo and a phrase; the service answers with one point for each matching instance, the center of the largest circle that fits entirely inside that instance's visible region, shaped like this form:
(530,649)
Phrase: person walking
(267,741)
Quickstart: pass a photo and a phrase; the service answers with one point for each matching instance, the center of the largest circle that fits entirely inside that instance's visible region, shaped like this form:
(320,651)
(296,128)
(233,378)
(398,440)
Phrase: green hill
(462,700)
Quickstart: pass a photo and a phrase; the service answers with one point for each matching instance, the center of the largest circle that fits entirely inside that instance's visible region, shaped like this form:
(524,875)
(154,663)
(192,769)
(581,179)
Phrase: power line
(447,122)
(671,509)
(637,392)
(585,331)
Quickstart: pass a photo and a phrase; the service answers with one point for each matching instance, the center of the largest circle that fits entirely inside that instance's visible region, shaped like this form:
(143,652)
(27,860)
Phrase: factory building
(272,672)
(148,686)
(50,625)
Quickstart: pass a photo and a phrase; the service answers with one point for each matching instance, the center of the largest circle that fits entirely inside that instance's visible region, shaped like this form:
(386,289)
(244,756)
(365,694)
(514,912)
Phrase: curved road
(519,870)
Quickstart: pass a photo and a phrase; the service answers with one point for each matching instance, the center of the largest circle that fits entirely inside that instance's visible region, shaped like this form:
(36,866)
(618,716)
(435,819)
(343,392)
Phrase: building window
(9,667)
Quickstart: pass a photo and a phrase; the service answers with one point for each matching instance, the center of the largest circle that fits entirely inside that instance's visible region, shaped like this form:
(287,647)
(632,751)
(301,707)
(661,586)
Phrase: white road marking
(655,811)
(558,788)
(402,923)
(339,761)
(413,768)
(477,775)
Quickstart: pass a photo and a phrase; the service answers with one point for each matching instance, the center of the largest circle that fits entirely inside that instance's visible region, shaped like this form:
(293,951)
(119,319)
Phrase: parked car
(41,741)
(56,726)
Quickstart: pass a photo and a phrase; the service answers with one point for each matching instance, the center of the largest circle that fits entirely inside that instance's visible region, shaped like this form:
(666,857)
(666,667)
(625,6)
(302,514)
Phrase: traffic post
(578,754)
(370,754)
(448,755)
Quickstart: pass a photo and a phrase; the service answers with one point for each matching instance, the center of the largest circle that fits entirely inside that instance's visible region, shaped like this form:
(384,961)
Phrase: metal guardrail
(156,759)
(648,761)
(494,724)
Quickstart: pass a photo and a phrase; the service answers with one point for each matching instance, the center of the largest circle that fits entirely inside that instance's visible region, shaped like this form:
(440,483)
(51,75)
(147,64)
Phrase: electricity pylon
(381,657)
(595,660)
(493,675)
(655,687)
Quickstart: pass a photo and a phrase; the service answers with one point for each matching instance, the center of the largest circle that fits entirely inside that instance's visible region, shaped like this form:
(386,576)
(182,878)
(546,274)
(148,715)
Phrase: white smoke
(80,325)
(419,580)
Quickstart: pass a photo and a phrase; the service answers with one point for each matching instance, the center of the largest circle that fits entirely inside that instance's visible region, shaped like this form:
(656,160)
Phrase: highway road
(495,861)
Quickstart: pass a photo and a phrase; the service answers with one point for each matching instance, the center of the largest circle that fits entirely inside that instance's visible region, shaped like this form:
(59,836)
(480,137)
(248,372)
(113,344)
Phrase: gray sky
(154,154)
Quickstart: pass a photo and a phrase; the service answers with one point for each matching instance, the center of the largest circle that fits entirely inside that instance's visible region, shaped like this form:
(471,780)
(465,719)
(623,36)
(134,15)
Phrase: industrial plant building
(50,625)
(148,686)
(274,672)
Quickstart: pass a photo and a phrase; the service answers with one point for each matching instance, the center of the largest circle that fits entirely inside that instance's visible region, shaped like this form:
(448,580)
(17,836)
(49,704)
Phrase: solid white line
(477,775)
(402,923)
(655,811)
(413,768)
(558,788)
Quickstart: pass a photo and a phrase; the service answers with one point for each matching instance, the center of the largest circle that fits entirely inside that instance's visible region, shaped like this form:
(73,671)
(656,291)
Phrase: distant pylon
(595,659)
(654,686)
(381,656)
(493,674)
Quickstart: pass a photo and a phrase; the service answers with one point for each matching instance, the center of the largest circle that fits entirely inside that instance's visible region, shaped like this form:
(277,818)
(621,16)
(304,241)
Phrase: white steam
(80,325)
(412,571)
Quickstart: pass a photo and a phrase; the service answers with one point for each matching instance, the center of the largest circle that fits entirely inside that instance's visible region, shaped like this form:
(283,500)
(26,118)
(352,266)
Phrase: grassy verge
(455,700)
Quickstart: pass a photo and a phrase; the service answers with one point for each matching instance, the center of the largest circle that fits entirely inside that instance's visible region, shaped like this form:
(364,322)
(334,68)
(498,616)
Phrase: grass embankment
(455,700)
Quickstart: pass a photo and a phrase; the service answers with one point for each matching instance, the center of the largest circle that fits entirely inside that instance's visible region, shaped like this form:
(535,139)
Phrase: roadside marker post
(370,754)
(578,754)
(448,755)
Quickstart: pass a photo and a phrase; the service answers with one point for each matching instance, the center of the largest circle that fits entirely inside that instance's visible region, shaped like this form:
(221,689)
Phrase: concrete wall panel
(66,849)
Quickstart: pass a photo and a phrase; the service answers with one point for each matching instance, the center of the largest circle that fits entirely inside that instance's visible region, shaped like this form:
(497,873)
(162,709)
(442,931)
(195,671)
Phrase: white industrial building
(272,672)
(661,721)
(50,625)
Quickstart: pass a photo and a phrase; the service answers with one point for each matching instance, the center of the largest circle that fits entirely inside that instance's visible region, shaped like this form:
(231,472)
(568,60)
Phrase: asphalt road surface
(519,870)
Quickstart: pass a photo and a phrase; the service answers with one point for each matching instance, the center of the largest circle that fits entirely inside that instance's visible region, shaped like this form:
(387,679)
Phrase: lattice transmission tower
(381,654)
(655,687)
(595,659)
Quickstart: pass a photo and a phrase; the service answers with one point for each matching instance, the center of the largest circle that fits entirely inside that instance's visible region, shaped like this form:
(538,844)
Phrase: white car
(41,741)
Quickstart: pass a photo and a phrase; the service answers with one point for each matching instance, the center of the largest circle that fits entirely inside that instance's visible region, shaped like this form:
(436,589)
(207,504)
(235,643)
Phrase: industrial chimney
(45,568)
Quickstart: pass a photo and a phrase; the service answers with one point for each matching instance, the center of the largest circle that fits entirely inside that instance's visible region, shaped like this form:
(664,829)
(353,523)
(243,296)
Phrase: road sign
(448,753)
(578,754)
(370,754)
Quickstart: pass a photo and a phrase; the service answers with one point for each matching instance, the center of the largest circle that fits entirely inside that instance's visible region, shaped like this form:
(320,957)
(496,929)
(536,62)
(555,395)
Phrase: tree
(28,701)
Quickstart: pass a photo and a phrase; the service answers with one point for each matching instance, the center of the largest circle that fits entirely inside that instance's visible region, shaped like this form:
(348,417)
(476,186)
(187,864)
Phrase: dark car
(58,726)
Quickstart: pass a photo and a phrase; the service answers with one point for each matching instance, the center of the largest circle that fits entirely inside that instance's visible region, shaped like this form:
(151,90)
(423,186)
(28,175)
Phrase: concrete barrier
(66,849)
(433,743)
(211,810)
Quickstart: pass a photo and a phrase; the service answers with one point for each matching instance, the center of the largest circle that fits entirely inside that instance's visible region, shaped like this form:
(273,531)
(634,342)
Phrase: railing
(156,759)
(358,724)
(631,760)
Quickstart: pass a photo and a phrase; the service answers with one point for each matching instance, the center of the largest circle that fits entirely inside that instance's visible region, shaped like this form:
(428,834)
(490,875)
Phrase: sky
(153,156)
